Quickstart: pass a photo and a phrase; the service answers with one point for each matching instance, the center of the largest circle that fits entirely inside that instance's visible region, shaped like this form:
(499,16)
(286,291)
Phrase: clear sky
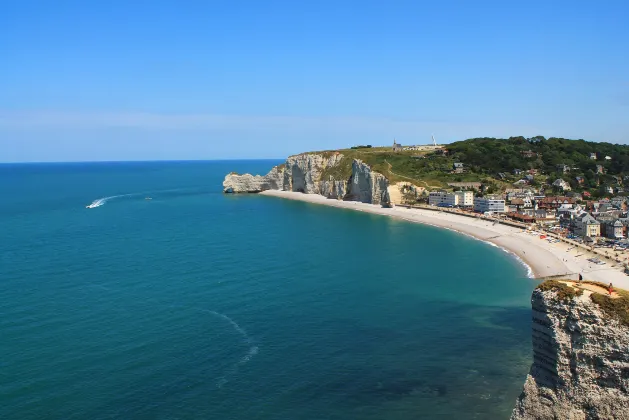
(135,80)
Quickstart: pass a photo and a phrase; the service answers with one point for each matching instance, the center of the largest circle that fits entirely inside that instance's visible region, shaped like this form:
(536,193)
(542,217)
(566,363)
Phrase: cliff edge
(580,355)
(330,174)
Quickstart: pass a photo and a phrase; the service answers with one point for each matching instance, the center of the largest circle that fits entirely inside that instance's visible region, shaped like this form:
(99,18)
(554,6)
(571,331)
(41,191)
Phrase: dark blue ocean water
(198,305)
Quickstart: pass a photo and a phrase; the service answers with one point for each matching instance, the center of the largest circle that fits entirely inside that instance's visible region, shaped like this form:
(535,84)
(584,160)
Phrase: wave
(529,270)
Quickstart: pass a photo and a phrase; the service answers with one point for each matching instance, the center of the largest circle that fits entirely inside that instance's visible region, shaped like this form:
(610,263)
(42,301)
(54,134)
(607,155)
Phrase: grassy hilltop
(493,162)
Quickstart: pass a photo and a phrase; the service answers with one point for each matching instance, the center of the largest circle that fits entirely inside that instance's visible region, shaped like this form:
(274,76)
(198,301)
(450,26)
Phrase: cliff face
(311,173)
(303,172)
(367,186)
(581,362)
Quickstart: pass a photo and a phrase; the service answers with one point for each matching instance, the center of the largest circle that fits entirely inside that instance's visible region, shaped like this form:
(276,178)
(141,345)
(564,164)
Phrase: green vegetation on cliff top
(494,161)
(564,292)
(614,307)
(617,307)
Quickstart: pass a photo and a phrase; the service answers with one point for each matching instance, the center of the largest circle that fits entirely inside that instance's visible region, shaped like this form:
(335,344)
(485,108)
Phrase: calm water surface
(198,305)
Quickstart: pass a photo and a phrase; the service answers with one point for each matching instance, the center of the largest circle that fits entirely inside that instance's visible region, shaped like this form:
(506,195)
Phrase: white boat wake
(102,201)
(253,349)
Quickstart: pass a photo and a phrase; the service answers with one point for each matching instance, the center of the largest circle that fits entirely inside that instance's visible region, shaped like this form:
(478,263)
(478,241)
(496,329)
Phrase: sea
(170,300)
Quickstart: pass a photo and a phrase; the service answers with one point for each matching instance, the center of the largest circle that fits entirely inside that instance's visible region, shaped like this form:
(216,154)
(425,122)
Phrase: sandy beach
(543,258)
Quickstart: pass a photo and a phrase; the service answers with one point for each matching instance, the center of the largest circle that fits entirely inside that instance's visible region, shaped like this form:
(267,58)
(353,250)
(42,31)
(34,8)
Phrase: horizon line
(132,161)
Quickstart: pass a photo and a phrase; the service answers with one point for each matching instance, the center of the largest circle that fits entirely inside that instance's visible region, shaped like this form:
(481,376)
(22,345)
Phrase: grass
(617,308)
(564,292)
(340,172)
(425,169)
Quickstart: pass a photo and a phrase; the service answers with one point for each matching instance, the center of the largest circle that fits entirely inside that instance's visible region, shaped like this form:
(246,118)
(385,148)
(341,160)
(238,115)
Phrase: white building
(449,199)
(436,197)
(488,204)
(442,198)
(466,198)
(561,184)
(567,211)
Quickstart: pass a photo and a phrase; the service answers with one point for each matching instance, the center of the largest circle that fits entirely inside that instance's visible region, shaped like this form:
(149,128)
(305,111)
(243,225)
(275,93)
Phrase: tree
(409,197)
(423,197)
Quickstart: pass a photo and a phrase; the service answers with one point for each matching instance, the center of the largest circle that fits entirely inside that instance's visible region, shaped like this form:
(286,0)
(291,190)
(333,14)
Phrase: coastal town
(596,222)
(554,201)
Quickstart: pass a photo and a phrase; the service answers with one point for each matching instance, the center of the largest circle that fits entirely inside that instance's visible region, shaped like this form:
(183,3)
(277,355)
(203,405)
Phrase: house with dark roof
(613,229)
(587,226)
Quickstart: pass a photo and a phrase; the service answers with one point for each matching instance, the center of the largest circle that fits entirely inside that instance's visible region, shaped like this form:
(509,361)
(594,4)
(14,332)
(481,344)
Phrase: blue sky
(132,80)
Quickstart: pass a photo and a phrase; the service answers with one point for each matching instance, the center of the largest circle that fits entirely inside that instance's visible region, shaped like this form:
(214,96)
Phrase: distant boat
(92,206)
(148,198)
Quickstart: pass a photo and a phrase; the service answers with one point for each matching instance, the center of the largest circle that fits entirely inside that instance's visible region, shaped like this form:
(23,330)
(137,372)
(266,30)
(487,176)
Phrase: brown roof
(517,201)
(549,200)
(519,216)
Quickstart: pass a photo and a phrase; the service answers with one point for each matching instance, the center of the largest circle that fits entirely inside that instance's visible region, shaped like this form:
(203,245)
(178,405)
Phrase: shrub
(564,292)
(617,308)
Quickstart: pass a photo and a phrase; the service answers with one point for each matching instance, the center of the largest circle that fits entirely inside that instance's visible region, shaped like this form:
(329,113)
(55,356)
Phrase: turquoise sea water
(198,305)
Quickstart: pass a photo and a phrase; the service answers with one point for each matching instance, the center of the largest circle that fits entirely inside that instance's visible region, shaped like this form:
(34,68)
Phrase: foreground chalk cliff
(329,174)
(581,361)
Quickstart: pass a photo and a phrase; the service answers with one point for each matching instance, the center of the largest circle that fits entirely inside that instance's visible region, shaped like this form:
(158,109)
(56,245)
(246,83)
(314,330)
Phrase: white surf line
(529,270)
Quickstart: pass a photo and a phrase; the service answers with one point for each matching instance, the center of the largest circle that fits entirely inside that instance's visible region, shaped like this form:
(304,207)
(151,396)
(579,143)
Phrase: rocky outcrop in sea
(580,361)
(329,174)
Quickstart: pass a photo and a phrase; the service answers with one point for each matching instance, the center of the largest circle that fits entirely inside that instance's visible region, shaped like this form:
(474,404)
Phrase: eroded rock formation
(235,183)
(580,362)
(329,174)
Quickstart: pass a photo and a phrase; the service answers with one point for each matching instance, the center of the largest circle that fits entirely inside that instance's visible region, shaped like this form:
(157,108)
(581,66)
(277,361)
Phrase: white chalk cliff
(580,362)
(317,173)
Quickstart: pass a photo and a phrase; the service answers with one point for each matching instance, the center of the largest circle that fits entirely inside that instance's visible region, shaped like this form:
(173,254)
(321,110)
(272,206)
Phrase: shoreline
(530,273)
(540,257)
